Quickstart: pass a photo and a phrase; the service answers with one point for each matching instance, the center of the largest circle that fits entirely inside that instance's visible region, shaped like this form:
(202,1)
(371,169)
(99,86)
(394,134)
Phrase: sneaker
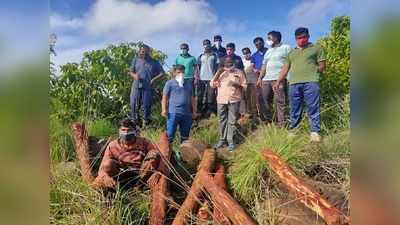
(220,144)
(315,137)
(231,147)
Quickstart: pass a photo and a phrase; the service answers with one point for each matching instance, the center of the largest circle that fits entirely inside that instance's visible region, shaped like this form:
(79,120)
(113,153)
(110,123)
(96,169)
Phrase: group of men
(221,82)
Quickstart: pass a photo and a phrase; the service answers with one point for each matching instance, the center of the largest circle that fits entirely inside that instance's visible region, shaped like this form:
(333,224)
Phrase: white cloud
(59,22)
(310,12)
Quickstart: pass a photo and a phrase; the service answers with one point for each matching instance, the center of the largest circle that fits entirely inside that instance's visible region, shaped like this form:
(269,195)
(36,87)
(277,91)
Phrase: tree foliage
(98,87)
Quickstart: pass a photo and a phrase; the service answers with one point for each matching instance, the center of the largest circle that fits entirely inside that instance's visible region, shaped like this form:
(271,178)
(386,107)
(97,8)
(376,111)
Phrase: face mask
(302,42)
(127,136)
(179,79)
(184,51)
(270,42)
(217,43)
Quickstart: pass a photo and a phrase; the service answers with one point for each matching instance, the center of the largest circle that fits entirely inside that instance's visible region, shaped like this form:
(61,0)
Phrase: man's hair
(179,67)
(246,49)
(258,39)
(228,58)
(206,42)
(230,45)
(301,31)
(217,37)
(276,34)
(127,122)
(184,45)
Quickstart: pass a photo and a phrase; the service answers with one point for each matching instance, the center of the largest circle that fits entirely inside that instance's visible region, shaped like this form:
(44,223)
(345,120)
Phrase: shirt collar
(307,46)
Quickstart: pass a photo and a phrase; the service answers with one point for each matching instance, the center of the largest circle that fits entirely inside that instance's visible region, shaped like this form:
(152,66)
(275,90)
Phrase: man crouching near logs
(127,159)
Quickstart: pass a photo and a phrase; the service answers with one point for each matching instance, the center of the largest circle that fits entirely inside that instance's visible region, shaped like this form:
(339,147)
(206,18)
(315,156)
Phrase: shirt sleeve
(265,60)
(252,60)
(321,54)
(287,61)
(167,89)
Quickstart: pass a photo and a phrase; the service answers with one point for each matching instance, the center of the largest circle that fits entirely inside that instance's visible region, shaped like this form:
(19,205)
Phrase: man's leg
(223,122)
(312,99)
(267,96)
(211,99)
(233,116)
(185,124)
(171,126)
(200,97)
(280,104)
(108,172)
(147,99)
(134,102)
(295,100)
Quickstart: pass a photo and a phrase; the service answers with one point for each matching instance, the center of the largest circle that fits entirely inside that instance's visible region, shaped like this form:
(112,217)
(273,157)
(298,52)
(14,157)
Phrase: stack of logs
(208,199)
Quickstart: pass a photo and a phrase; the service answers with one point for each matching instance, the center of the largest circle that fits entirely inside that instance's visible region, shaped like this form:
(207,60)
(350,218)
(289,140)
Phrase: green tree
(98,87)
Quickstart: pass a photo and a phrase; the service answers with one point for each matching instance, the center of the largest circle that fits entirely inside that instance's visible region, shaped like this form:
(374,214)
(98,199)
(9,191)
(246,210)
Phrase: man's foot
(231,147)
(220,144)
(315,137)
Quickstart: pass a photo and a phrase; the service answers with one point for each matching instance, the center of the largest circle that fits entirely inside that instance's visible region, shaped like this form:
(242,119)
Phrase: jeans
(228,115)
(309,93)
(140,100)
(268,98)
(184,121)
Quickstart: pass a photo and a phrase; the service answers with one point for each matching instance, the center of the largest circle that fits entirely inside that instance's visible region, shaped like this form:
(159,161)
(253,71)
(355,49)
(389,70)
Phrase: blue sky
(83,25)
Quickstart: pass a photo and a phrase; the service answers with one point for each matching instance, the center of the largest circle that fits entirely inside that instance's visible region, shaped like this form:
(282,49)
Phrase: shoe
(220,144)
(315,137)
(231,147)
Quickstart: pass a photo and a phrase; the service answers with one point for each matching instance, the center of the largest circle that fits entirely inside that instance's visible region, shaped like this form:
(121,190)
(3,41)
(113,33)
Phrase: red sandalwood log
(224,202)
(160,192)
(191,202)
(219,179)
(304,192)
(81,141)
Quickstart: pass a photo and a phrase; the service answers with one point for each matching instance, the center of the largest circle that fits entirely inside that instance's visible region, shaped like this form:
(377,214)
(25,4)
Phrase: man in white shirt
(250,96)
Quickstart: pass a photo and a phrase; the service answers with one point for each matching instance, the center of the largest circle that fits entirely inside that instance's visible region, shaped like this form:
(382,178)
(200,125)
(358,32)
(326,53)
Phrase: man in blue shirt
(145,71)
(178,104)
(217,47)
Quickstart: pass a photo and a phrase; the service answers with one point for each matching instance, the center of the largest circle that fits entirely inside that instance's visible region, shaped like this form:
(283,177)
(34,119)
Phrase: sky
(83,25)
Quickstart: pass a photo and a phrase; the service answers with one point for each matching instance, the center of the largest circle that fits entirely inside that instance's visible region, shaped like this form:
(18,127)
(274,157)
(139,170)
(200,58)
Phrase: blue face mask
(127,136)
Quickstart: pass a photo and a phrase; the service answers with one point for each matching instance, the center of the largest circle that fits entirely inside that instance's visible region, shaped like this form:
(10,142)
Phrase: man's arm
(282,76)
(164,104)
(262,74)
(157,77)
(321,66)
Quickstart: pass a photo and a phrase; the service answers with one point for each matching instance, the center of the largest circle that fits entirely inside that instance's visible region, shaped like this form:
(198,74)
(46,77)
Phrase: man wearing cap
(217,47)
(127,158)
(188,61)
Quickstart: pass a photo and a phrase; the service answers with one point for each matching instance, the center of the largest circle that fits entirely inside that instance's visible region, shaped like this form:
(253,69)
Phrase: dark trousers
(310,94)
(251,100)
(140,100)
(206,98)
(269,97)
(184,121)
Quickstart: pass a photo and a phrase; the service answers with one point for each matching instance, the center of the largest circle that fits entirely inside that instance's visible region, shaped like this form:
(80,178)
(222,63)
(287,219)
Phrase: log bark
(191,202)
(204,214)
(191,151)
(224,202)
(219,179)
(81,142)
(160,191)
(304,192)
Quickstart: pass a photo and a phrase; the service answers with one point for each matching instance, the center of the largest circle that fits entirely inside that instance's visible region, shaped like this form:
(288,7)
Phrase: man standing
(231,84)
(188,61)
(207,64)
(177,104)
(251,77)
(257,59)
(217,47)
(237,60)
(274,60)
(145,71)
(306,62)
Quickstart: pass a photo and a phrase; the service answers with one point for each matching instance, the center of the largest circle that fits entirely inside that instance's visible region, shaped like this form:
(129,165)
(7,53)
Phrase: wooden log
(191,202)
(81,142)
(304,192)
(191,151)
(160,191)
(204,214)
(224,202)
(219,179)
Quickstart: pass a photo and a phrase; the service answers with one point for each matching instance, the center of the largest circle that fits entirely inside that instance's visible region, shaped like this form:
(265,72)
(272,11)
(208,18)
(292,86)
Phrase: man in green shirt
(188,61)
(305,63)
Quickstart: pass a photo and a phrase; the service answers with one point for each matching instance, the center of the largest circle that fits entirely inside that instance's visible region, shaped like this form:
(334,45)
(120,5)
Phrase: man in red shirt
(129,154)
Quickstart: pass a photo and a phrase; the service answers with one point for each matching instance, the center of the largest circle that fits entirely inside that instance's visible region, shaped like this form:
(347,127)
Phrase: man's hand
(216,83)
(153,180)
(196,80)
(152,81)
(259,82)
(195,115)
(133,75)
(275,87)
(164,113)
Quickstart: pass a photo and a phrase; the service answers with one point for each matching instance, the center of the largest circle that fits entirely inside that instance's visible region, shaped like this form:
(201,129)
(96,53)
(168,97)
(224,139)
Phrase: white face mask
(270,43)
(179,79)
(217,43)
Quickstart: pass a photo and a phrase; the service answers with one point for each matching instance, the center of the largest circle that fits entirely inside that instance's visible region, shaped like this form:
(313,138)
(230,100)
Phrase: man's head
(178,69)
(259,43)
(184,48)
(144,51)
(127,130)
(230,49)
(207,45)
(274,38)
(228,63)
(217,40)
(302,36)
(246,53)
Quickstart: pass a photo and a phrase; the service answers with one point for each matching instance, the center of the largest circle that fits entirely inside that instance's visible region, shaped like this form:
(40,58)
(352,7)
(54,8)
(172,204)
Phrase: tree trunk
(81,141)
(160,191)
(192,200)
(219,179)
(224,202)
(304,192)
